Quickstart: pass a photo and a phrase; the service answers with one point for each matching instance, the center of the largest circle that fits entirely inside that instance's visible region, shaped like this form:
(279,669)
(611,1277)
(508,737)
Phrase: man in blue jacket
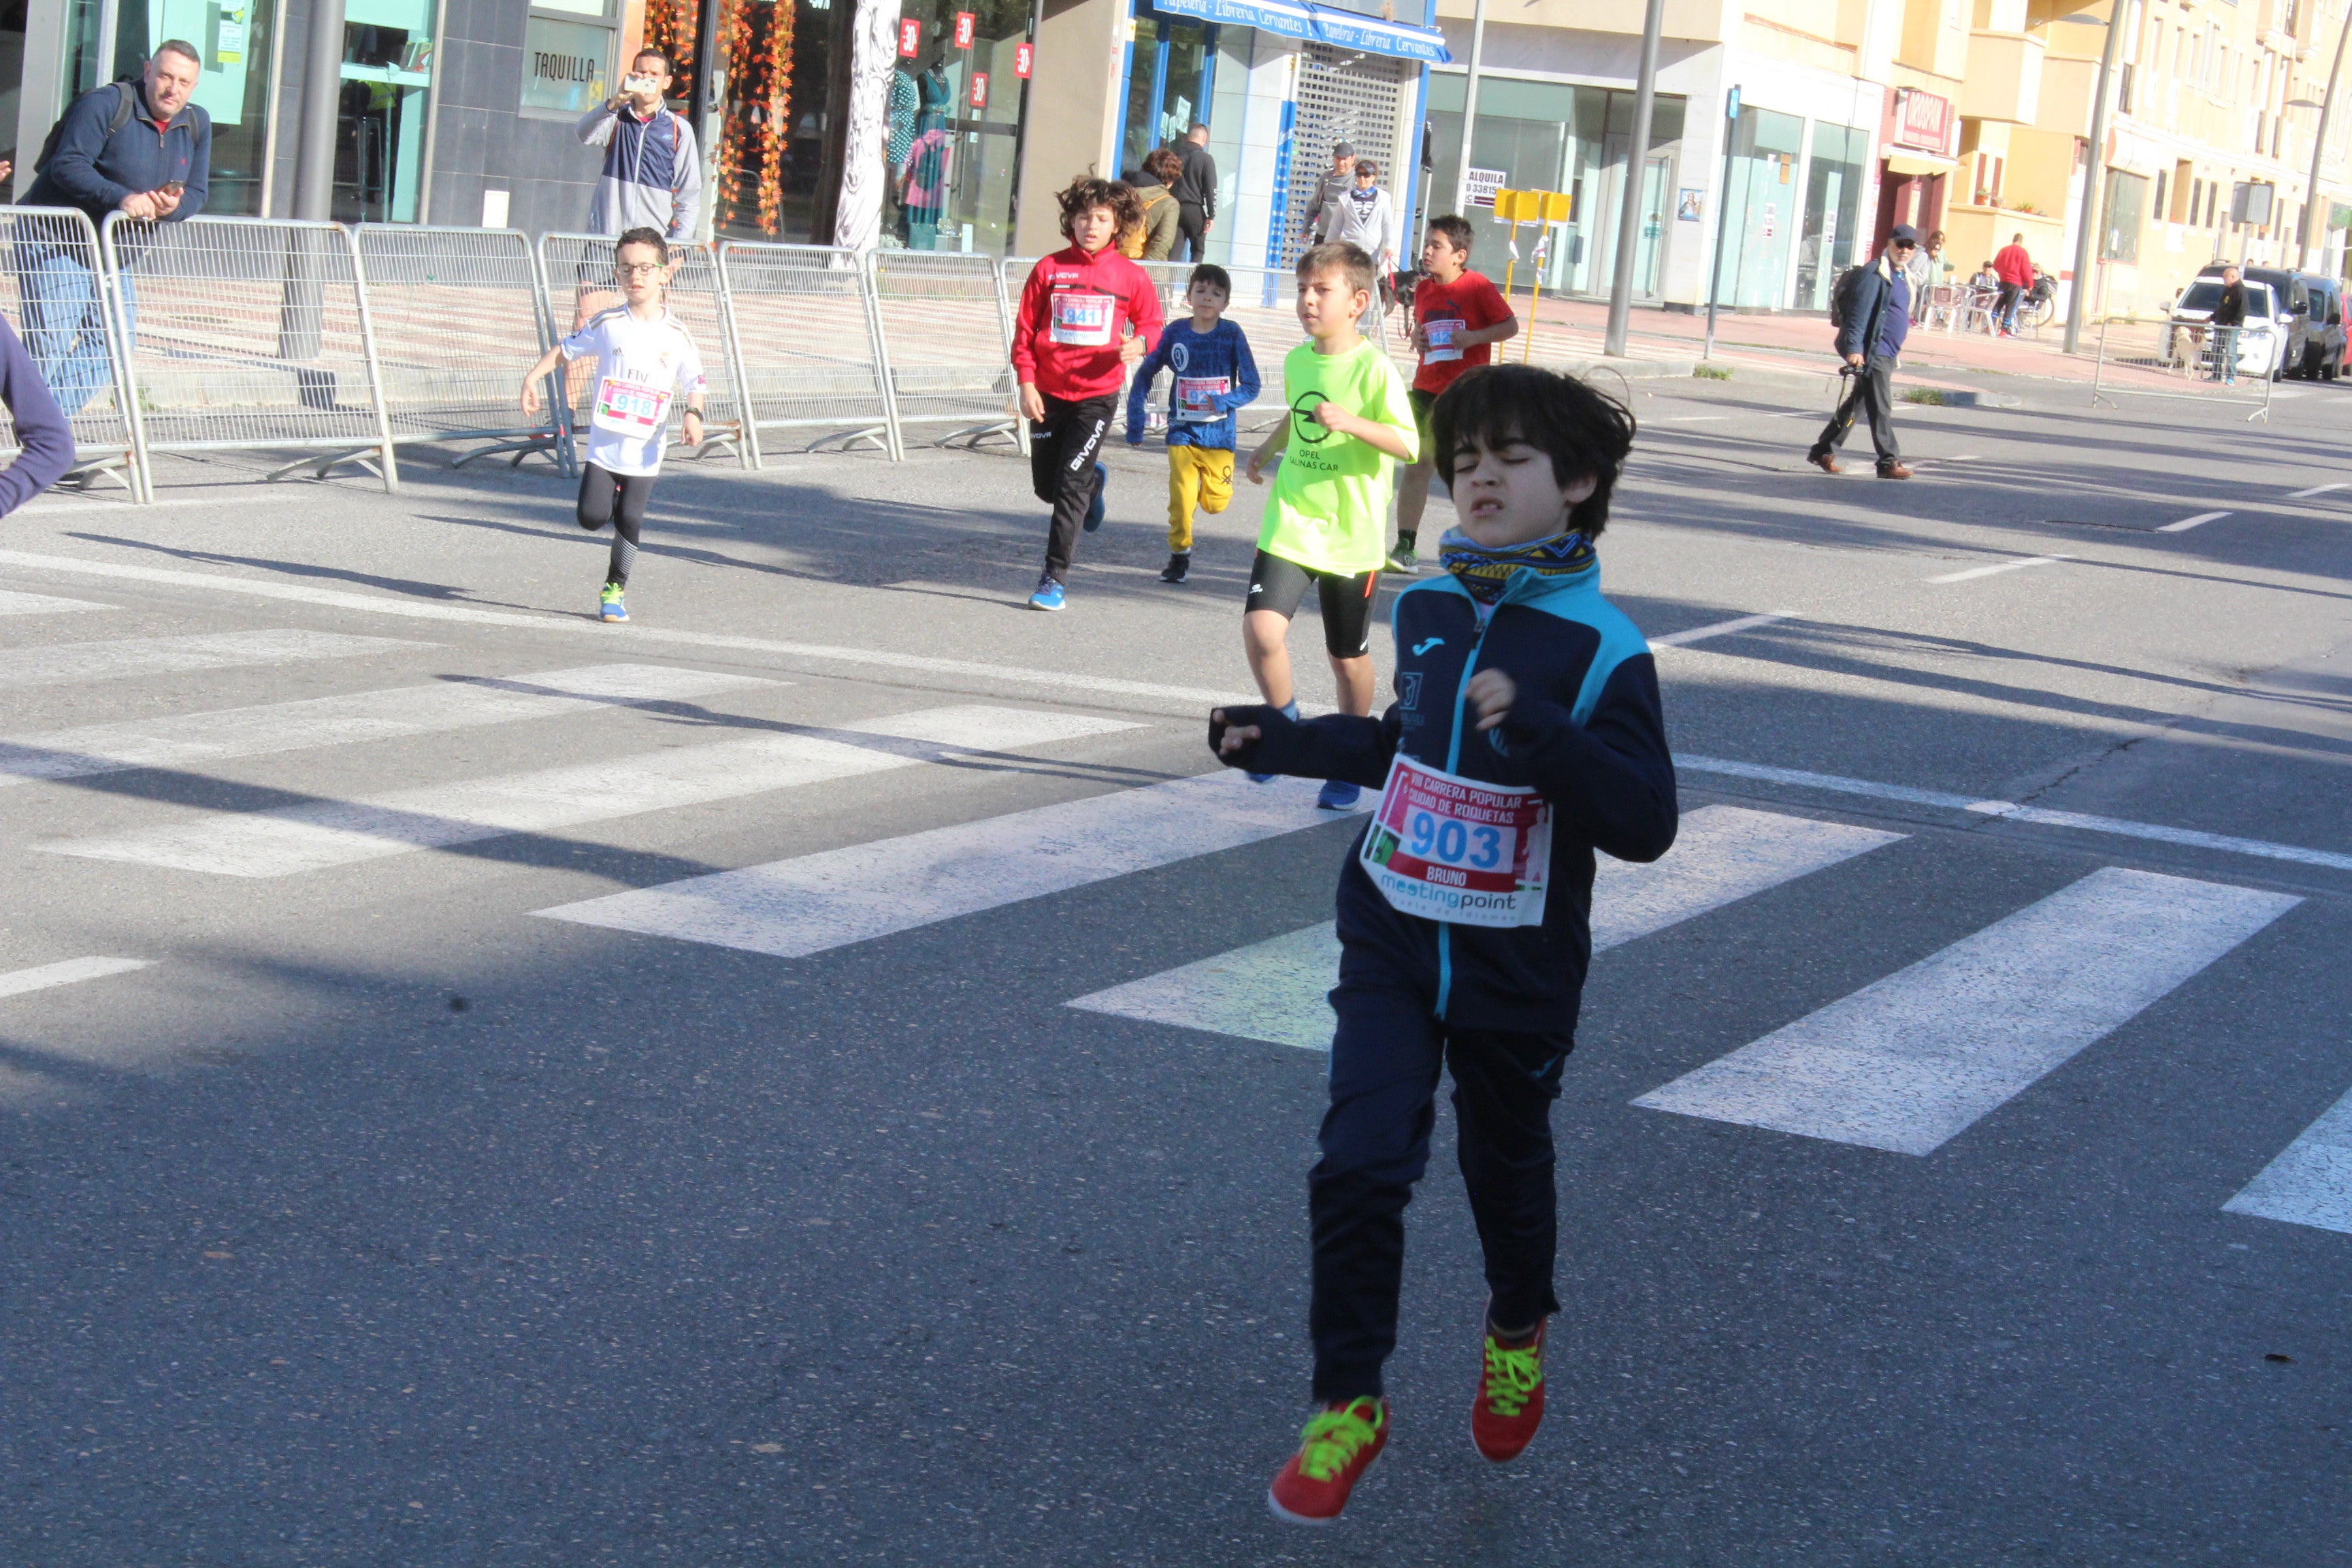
(141,149)
(1874,317)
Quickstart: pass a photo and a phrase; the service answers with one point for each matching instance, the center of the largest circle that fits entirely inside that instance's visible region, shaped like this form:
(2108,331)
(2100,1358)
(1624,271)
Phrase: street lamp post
(1637,155)
(1470,109)
(2091,169)
(2320,148)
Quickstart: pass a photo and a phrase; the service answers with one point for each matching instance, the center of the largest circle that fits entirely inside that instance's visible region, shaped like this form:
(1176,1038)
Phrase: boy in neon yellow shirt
(1327,522)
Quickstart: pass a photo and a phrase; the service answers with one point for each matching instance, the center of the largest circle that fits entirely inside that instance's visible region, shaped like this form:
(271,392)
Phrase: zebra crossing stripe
(185,738)
(15,604)
(812,903)
(2310,1181)
(340,832)
(66,972)
(1909,1062)
(1273,990)
(60,663)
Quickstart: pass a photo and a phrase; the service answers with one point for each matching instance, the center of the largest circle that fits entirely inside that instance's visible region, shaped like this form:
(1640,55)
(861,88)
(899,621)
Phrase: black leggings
(619,500)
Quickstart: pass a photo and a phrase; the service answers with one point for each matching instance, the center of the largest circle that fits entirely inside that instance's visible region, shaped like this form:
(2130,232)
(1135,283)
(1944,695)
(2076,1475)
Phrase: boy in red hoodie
(1071,350)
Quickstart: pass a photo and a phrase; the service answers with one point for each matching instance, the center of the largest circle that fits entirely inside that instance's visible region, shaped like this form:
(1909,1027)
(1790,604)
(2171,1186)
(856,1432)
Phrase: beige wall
(1073,113)
(1706,21)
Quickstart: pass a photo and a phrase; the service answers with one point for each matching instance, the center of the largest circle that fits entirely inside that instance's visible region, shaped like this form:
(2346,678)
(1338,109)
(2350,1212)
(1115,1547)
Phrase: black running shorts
(1278,585)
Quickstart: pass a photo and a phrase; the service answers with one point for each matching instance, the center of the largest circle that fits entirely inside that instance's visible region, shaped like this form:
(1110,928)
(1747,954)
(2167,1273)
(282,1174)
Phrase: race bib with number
(1441,341)
(1196,397)
(627,408)
(1083,318)
(1450,848)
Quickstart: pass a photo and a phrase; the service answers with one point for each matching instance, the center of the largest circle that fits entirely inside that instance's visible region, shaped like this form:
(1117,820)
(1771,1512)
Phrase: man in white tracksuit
(653,173)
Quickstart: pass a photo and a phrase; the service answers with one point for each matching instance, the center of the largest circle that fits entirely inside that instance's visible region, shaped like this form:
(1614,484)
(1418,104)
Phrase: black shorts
(1278,585)
(1423,401)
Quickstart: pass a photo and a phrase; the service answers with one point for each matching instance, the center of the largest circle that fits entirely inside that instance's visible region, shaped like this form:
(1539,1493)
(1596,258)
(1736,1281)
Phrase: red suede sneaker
(1510,1397)
(1337,1447)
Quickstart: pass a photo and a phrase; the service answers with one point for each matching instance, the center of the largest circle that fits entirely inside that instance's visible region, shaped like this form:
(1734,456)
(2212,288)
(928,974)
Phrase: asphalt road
(384,1216)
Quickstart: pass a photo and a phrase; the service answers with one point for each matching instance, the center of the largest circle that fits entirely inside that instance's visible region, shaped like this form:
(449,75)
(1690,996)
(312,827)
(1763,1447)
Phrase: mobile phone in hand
(174,187)
(634,84)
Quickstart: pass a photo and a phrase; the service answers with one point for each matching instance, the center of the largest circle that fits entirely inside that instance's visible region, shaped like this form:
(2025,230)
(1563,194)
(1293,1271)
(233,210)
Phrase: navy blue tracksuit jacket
(1586,732)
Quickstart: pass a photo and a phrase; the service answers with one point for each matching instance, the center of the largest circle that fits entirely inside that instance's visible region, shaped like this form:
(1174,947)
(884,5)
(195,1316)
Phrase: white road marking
(336,833)
(2199,520)
(813,903)
(639,631)
(2314,491)
(181,740)
(1273,990)
(1670,420)
(2010,811)
(2004,566)
(1910,1062)
(66,972)
(43,604)
(1719,629)
(2310,1181)
(61,663)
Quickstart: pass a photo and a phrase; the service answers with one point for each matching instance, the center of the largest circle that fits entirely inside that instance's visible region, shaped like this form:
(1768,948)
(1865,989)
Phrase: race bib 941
(1083,318)
(1450,848)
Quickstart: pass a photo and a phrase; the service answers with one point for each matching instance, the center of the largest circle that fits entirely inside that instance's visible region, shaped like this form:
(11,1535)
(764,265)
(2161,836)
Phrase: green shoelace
(1512,1374)
(1333,1438)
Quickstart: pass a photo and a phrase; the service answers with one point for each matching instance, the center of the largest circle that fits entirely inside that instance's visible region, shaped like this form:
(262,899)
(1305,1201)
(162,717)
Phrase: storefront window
(1760,208)
(1546,136)
(380,129)
(1171,71)
(955,127)
(1832,198)
(2125,210)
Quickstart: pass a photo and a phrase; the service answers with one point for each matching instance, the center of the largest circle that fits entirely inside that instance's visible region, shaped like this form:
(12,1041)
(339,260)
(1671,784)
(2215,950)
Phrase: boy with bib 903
(1526,735)
(1216,377)
(1086,313)
(645,358)
(1325,524)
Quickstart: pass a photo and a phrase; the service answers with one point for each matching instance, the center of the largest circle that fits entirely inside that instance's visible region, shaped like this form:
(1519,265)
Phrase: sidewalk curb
(1811,381)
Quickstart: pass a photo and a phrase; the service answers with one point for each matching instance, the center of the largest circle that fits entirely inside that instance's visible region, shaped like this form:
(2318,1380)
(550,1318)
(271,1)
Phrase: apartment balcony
(2004,81)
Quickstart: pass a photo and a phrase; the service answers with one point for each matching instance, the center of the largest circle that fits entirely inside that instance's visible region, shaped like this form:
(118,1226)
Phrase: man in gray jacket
(652,176)
(1337,182)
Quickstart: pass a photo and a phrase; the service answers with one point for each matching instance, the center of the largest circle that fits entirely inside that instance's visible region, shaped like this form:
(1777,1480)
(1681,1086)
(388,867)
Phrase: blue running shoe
(1094,512)
(1289,711)
(609,607)
(1338,796)
(1048,595)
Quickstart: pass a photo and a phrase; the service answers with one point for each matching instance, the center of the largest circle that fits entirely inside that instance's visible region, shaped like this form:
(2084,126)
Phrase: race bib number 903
(1450,848)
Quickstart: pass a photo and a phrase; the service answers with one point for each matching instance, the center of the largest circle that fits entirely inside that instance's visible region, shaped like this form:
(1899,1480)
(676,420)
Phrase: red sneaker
(1510,1397)
(1337,1447)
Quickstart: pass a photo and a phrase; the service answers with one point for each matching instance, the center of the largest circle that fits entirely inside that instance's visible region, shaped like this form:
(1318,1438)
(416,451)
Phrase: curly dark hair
(1092,191)
(1581,430)
(1163,165)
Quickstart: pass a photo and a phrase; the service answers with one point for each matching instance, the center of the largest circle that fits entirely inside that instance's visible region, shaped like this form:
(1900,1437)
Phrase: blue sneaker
(1094,512)
(1289,711)
(1338,796)
(609,607)
(1048,595)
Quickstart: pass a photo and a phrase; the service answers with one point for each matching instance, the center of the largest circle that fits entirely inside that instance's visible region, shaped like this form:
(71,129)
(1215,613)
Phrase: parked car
(2323,330)
(2261,338)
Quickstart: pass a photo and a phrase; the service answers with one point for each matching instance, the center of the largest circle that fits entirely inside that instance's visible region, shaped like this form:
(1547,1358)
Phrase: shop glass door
(1171,71)
(380,127)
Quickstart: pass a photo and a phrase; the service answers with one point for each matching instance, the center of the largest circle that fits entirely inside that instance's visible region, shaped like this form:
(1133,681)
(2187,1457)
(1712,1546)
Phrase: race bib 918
(628,408)
(1083,318)
(1451,848)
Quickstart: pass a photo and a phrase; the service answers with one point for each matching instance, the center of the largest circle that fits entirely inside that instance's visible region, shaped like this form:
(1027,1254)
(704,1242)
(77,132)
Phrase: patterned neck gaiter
(1486,570)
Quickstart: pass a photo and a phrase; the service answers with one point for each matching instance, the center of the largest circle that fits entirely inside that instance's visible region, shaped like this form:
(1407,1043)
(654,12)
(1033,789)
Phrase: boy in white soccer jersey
(644,359)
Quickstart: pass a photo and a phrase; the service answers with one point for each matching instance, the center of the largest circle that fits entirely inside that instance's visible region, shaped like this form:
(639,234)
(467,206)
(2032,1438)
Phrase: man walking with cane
(1872,309)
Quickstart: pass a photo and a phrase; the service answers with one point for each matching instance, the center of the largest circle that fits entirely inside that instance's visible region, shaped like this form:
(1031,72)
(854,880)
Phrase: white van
(2261,341)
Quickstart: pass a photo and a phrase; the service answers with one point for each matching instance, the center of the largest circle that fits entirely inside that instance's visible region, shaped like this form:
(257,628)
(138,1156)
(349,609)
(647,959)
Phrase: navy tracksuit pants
(1385,1060)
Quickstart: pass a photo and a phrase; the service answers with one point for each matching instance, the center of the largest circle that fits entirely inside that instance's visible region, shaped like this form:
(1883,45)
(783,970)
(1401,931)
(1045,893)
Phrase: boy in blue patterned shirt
(1215,377)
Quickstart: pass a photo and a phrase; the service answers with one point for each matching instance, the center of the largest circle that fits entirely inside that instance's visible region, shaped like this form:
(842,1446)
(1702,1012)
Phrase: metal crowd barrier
(249,334)
(459,315)
(577,271)
(954,316)
(2172,360)
(59,292)
(809,339)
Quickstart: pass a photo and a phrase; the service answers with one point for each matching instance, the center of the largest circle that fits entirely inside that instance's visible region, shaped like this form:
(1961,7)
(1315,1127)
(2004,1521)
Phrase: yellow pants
(1199,477)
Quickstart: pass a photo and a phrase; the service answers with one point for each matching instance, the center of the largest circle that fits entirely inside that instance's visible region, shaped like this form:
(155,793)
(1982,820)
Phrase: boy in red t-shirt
(1071,349)
(1456,313)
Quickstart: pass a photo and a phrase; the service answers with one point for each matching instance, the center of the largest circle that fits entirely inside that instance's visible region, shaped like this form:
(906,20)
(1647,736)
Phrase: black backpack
(1848,284)
(126,103)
